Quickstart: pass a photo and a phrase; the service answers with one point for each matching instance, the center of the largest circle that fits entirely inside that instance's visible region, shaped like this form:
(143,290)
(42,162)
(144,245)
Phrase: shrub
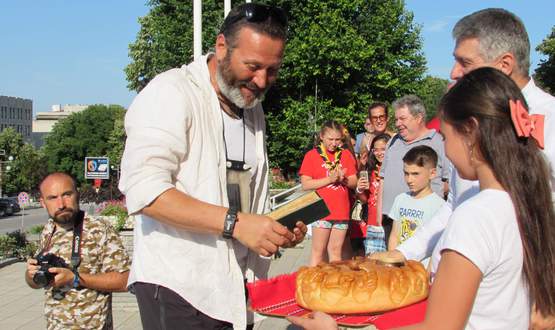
(37,229)
(7,246)
(114,208)
(282,184)
(15,244)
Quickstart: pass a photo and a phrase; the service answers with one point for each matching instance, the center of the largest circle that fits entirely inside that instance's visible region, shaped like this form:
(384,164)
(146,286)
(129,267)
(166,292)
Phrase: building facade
(17,113)
(45,121)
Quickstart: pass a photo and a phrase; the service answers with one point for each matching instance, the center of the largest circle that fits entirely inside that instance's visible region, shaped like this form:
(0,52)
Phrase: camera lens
(41,278)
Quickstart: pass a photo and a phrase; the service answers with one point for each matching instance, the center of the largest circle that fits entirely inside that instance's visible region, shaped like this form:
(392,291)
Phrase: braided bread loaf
(360,286)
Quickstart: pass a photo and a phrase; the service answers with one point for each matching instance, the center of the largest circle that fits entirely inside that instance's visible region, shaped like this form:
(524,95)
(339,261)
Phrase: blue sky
(74,52)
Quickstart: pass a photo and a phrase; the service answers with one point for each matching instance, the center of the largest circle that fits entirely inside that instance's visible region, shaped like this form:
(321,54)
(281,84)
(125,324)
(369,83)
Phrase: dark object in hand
(46,261)
(308,208)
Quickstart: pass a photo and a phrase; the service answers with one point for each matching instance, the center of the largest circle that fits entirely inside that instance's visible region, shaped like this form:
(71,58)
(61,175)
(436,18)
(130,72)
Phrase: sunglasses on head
(256,13)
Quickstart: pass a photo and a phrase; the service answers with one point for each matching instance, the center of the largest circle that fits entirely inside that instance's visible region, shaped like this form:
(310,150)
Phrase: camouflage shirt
(101,252)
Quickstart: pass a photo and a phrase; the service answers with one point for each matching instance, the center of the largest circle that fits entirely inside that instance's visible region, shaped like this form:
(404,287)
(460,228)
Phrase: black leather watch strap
(229,223)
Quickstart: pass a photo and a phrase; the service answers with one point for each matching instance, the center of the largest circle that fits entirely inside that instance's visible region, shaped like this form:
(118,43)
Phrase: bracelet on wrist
(359,191)
(76,281)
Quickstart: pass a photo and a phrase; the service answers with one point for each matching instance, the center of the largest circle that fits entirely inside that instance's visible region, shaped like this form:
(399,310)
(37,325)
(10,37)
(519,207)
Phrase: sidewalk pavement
(22,307)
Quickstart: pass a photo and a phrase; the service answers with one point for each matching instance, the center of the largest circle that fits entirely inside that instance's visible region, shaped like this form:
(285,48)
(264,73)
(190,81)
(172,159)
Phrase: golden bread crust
(360,286)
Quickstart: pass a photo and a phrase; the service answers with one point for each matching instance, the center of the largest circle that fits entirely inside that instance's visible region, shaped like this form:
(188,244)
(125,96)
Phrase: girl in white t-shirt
(496,258)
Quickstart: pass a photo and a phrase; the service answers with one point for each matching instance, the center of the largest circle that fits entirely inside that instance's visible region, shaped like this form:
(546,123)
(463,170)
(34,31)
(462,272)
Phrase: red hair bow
(525,124)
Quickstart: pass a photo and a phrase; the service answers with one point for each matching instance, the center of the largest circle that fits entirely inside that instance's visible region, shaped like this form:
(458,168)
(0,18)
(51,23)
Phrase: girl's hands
(362,185)
(336,175)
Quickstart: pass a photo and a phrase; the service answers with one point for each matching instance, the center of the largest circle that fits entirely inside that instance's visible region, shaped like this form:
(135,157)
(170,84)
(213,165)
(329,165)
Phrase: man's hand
(540,322)
(63,276)
(262,234)
(315,321)
(300,232)
(30,272)
(32,267)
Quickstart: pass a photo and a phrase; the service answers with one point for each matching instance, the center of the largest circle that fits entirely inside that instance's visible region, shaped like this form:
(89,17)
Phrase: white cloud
(436,26)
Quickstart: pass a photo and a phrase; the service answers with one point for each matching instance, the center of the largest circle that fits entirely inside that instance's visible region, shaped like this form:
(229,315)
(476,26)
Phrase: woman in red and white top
(331,171)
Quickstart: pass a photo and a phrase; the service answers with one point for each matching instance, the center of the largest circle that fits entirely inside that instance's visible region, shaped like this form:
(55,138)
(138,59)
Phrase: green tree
(82,134)
(165,39)
(26,168)
(116,141)
(341,55)
(431,91)
(545,72)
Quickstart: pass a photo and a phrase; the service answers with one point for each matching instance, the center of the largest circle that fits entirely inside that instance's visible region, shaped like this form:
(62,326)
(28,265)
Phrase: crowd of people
(475,196)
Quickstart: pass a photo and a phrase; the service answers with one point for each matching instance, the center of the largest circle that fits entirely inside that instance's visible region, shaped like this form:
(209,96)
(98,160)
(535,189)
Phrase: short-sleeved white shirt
(484,229)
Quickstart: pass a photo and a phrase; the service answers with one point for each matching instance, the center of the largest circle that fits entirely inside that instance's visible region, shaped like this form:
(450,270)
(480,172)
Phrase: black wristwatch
(229,223)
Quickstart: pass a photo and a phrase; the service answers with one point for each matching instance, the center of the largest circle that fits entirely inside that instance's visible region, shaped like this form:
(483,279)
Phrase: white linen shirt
(421,244)
(174,140)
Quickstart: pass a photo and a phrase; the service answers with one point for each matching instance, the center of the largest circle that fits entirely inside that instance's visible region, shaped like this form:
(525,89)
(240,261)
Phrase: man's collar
(429,135)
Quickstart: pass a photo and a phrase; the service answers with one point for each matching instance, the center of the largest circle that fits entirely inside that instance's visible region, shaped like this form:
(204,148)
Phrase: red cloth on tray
(276,296)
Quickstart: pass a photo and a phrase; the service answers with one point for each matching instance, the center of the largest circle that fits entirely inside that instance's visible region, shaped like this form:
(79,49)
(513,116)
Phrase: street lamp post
(8,167)
(114,168)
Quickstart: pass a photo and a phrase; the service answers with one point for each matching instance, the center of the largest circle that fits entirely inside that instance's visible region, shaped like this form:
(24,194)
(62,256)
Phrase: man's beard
(65,216)
(230,87)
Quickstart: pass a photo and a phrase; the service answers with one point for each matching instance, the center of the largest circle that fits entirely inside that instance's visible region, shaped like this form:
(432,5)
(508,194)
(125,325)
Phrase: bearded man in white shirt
(495,38)
(195,172)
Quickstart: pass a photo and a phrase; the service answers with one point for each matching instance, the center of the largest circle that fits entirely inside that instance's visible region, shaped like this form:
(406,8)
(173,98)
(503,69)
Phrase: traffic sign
(23,198)
(97,168)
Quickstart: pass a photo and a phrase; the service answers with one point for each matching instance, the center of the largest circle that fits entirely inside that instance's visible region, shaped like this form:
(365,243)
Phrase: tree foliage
(545,72)
(82,134)
(431,90)
(165,39)
(26,168)
(341,55)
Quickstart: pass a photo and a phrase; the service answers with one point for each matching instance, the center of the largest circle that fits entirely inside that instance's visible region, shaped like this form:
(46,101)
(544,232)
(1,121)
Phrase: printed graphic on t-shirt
(411,219)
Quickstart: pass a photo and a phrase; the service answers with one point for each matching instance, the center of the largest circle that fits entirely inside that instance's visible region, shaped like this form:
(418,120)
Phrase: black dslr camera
(46,261)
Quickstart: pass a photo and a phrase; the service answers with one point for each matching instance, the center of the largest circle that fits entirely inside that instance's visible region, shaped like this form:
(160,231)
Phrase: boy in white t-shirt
(412,209)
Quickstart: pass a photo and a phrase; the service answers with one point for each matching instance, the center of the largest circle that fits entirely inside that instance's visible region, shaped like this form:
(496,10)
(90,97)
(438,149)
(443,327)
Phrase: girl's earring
(471,152)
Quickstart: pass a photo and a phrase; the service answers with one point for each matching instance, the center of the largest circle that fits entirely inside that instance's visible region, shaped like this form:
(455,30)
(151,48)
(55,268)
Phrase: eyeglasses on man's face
(378,118)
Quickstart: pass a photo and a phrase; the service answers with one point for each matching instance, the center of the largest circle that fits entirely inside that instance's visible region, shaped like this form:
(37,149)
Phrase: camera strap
(76,245)
(238,165)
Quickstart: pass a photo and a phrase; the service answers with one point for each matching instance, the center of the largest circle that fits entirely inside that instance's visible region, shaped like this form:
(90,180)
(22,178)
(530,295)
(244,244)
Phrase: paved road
(31,217)
(22,307)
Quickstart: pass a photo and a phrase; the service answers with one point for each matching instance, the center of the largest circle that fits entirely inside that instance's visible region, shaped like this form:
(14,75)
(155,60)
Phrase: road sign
(97,168)
(23,198)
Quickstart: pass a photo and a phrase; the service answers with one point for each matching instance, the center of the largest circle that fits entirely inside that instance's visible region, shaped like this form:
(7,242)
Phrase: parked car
(5,208)
(14,203)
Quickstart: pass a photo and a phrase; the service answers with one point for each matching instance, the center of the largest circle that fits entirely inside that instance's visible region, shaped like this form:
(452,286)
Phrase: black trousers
(163,309)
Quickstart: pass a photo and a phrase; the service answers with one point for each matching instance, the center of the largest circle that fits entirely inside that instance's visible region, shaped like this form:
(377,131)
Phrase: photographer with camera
(80,262)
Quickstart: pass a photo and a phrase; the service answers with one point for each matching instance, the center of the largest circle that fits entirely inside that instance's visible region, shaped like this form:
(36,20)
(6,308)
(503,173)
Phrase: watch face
(229,224)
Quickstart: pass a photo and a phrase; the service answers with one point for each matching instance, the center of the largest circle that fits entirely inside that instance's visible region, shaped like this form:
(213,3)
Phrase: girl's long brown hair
(483,96)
